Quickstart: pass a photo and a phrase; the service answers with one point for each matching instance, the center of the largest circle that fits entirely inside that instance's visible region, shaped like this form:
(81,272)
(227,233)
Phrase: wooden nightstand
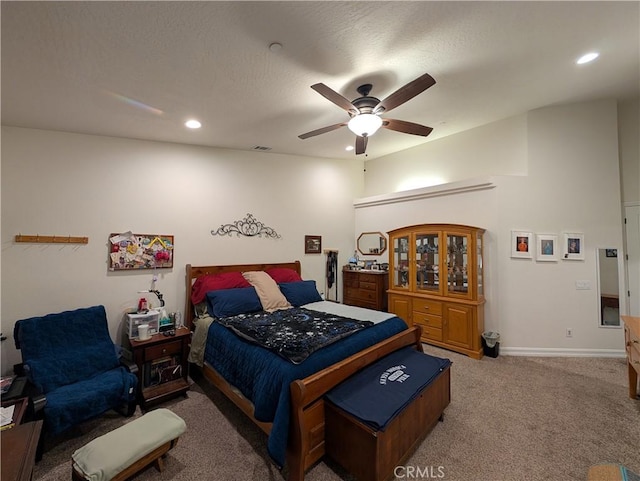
(162,366)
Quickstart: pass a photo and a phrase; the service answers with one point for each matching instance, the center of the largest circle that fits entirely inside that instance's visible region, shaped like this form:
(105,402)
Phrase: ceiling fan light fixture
(365,125)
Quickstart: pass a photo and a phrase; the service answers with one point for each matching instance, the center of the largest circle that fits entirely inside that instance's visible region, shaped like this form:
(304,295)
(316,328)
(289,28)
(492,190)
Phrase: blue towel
(380,391)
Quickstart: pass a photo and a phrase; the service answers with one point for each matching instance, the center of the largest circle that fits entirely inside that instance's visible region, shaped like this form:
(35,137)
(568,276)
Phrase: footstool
(127,450)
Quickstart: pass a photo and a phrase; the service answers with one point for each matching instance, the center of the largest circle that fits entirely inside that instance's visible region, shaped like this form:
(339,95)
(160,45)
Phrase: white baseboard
(561,352)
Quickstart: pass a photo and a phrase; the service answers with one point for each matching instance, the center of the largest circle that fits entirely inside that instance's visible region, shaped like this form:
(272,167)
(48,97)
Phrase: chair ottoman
(128,449)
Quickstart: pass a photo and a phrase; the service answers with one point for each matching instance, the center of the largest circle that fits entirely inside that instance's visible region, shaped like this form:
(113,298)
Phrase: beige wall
(554,170)
(551,170)
(629,138)
(81,185)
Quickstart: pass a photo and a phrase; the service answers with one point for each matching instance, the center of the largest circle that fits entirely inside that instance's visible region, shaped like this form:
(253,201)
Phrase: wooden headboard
(193,272)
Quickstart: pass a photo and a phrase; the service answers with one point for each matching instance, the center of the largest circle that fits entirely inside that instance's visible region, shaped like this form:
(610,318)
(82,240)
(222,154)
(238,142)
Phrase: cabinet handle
(164,351)
(635,341)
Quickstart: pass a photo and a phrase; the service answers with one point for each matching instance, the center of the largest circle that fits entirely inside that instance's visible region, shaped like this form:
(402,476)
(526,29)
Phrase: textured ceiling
(140,69)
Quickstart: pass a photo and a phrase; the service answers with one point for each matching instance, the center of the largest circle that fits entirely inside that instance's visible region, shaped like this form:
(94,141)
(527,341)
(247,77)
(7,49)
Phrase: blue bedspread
(264,377)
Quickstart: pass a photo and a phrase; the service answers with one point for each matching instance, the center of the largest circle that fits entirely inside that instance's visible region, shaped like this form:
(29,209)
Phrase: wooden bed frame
(306,433)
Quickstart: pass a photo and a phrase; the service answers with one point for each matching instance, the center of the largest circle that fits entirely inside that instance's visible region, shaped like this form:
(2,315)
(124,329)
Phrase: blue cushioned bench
(375,420)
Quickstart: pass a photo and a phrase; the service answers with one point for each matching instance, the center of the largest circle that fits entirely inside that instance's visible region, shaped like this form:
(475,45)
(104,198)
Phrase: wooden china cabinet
(436,281)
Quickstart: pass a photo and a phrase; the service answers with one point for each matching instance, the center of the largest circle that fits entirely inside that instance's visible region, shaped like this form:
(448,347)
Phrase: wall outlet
(569,332)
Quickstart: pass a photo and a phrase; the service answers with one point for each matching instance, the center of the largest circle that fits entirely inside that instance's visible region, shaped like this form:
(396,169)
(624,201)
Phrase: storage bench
(123,452)
(376,419)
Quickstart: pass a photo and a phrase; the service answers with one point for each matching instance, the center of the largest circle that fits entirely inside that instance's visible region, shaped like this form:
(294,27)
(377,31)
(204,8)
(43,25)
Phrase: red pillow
(283,274)
(216,282)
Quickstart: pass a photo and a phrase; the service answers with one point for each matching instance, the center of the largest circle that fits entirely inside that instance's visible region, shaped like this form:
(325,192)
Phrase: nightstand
(162,366)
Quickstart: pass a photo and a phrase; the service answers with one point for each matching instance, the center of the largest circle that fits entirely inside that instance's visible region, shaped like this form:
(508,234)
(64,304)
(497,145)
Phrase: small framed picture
(573,247)
(546,247)
(521,244)
(611,252)
(312,244)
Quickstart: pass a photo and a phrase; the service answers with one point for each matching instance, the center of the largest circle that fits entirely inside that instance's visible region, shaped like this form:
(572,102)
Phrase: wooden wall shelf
(51,239)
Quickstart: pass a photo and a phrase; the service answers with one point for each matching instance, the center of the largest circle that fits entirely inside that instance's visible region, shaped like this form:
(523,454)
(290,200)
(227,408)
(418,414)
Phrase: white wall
(570,184)
(629,139)
(71,184)
(498,148)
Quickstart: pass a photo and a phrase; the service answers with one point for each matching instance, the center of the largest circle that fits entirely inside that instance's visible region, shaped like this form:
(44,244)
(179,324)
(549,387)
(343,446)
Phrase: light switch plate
(583,285)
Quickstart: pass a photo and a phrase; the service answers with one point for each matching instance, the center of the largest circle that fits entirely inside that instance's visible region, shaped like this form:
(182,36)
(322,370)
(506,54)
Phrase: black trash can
(491,344)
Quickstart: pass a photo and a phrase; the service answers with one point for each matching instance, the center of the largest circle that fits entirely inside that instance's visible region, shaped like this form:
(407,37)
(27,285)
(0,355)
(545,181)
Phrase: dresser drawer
(427,306)
(432,333)
(165,349)
(355,293)
(350,279)
(634,357)
(633,348)
(427,319)
(369,286)
(362,303)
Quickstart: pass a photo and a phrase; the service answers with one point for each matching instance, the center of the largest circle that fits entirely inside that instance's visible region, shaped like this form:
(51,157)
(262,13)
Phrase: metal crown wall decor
(248,227)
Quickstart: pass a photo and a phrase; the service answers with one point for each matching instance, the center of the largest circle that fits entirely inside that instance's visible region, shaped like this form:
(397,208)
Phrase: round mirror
(372,243)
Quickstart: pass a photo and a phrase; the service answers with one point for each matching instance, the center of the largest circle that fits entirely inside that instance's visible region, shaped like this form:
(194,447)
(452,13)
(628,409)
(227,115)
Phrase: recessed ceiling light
(275,47)
(193,124)
(586,58)
(349,148)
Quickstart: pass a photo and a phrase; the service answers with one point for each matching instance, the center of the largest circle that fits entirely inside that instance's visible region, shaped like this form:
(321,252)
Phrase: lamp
(158,295)
(365,125)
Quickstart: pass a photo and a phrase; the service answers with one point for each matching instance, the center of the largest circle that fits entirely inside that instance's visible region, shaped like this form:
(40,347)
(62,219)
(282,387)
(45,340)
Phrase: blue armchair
(71,360)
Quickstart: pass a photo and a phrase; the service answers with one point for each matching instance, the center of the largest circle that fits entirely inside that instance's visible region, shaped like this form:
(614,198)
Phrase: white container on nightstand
(152,318)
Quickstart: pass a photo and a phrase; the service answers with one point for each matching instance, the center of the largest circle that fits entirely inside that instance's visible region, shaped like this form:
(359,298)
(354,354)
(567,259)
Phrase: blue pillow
(231,302)
(300,293)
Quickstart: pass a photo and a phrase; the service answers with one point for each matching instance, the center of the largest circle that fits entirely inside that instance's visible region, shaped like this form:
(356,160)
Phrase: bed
(294,422)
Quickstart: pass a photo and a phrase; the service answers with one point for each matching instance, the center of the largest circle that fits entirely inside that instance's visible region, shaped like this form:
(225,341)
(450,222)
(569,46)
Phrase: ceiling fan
(365,111)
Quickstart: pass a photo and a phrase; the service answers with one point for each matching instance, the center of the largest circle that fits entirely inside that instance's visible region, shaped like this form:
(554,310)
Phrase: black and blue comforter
(263,376)
(294,333)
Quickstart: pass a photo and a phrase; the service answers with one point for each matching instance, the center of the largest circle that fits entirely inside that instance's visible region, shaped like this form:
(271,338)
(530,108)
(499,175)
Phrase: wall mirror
(372,243)
(608,288)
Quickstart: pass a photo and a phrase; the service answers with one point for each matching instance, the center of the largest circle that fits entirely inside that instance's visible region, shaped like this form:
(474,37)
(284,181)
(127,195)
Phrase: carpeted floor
(510,419)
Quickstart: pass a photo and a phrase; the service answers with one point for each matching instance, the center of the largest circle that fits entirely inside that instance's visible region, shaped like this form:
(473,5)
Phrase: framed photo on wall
(547,247)
(521,244)
(573,247)
(312,244)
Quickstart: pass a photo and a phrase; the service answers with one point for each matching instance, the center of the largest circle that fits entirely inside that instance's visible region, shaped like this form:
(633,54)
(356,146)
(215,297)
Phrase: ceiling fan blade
(405,93)
(361,144)
(334,97)
(406,127)
(323,130)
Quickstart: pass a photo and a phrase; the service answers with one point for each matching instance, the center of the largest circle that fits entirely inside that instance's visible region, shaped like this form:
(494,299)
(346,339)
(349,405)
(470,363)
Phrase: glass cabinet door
(400,275)
(428,262)
(457,264)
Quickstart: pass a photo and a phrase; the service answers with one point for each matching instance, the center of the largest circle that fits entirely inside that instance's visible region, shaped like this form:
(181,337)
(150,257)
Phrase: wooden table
(19,446)
(632,346)
(19,410)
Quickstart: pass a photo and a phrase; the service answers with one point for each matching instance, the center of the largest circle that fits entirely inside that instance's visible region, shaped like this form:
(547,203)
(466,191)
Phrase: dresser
(365,288)
(632,346)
